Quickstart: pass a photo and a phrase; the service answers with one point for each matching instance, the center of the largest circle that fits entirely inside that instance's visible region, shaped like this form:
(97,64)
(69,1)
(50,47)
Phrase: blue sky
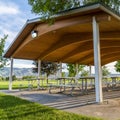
(13,15)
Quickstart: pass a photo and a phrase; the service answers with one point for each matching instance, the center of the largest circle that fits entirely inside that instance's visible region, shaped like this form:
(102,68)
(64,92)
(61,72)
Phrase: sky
(13,15)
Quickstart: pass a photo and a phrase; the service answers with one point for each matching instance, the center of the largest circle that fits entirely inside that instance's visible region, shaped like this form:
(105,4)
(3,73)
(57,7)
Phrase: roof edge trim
(109,12)
(80,9)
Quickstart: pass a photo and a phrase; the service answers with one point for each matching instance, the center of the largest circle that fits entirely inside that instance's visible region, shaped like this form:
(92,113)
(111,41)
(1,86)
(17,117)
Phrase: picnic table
(62,83)
(112,83)
(72,82)
(85,84)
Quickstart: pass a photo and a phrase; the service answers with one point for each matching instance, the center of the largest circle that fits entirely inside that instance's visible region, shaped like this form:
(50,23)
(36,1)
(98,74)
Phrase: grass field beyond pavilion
(13,108)
(19,84)
(15,84)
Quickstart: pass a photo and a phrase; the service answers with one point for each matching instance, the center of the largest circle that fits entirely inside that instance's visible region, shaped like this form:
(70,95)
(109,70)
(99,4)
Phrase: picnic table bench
(64,86)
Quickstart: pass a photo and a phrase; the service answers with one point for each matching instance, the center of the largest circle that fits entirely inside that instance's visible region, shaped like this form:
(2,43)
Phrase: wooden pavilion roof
(70,38)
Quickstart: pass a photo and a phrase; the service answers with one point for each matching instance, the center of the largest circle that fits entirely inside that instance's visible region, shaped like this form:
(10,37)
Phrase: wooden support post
(11,74)
(90,70)
(97,62)
(60,73)
(39,73)
(76,76)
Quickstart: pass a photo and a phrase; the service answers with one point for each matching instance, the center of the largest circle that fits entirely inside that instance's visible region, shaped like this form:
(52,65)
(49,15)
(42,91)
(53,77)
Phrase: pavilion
(88,35)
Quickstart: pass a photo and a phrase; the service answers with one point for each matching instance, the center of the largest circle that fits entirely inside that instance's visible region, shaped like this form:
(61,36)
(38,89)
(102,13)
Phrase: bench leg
(50,90)
(60,89)
(71,92)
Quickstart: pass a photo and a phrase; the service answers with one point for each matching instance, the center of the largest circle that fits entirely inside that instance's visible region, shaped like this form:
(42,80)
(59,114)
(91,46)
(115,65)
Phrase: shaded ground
(109,110)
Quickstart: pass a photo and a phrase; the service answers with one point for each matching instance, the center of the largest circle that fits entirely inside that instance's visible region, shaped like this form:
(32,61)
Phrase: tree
(113,4)
(48,8)
(105,71)
(63,74)
(46,67)
(14,78)
(2,45)
(84,73)
(72,69)
(117,66)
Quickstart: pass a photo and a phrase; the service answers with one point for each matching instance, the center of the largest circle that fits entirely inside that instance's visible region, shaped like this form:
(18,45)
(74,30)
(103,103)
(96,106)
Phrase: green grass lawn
(20,84)
(13,108)
(24,84)
(15,84)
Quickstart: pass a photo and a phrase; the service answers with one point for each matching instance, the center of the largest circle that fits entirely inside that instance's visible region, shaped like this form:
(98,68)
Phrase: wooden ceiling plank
(64,41)
(111,59)
(75,36)
(44,28)
(78,50)
(104,57)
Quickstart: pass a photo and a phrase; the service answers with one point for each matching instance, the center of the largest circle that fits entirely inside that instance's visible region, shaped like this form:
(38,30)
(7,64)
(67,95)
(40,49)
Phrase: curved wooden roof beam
(111,54)
(68,40)
(75,38)
(45,28)
(110,49)
(111,59)
(110,35)
(80,55)
(114,43)
(110,43)
(88,46)
(104,57)
(79,49)
(89,57)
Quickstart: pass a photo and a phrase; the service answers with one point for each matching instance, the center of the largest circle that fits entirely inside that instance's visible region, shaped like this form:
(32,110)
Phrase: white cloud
(23,65)
(18,63)
(11,25)
(8,8)
(14,14)
(11,35)
(111,67)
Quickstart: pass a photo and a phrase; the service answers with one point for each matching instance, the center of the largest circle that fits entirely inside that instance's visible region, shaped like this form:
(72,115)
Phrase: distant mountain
(18,72)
